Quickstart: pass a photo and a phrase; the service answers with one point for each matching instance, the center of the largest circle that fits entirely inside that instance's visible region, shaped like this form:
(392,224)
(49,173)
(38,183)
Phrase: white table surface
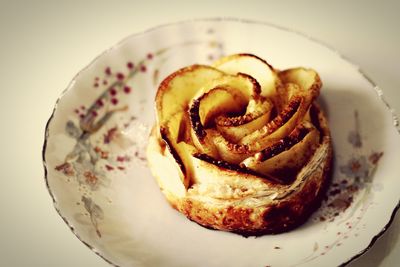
(44,44)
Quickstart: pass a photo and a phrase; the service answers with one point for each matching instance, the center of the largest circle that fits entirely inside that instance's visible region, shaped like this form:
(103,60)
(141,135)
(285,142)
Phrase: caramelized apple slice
(226,150)
(176,91)
(173,133)
(307,79)
(284,93)
(235,128)
(253,66)
(173,182)
(309,85)
(220,100)
(230,95)
(206,107)
(286,157)
(281,125)
(174,155)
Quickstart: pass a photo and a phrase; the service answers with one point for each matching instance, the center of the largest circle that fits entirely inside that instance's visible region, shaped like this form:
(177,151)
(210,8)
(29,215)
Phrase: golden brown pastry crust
(272,218)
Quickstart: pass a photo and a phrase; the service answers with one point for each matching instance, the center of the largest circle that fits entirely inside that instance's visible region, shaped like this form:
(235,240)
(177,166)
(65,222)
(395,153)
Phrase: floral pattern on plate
(92,157)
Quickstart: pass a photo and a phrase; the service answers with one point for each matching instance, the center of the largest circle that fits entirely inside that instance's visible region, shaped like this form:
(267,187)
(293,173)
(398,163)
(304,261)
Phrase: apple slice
(220,100)
(307,79)
(230,95)
(286,157)
(284,93)
(176,91)
(173,182)
(205,108)
(253,66)
(235,128)
(172,98)
(307,90)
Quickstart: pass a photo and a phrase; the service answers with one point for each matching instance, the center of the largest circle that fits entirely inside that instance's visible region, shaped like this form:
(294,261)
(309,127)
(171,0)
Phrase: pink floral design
(90,160)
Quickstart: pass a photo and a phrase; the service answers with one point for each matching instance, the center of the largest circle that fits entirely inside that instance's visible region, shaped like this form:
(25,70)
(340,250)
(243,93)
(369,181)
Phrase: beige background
(44,44)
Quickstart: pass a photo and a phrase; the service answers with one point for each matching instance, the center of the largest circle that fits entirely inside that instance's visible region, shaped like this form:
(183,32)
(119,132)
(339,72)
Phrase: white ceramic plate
(97,175)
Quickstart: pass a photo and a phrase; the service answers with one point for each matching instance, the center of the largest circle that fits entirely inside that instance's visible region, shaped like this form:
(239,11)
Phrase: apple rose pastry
(240,146)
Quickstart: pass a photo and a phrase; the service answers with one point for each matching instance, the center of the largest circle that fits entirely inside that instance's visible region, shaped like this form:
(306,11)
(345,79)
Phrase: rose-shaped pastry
(241,147)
